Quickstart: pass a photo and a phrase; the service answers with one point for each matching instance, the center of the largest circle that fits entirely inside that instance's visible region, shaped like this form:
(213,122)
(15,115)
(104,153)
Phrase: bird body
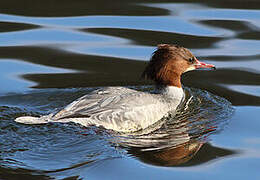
(127,110)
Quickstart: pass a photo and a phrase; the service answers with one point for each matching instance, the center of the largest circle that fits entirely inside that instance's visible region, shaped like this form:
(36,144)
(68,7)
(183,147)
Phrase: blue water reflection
(71,49)
(227,14)
(46,36)
(10,81)
(157,23)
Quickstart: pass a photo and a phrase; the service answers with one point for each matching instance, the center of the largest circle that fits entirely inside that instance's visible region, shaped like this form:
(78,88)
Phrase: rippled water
(65,150)
(52,52)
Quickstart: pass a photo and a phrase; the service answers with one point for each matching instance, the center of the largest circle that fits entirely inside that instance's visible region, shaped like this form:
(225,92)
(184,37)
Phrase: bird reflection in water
(181,139)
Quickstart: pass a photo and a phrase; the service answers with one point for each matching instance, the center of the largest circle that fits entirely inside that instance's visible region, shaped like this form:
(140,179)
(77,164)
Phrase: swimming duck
(127,110)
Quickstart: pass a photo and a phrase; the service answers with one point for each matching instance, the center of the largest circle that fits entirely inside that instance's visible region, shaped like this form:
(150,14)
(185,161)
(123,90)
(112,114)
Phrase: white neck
(171,92)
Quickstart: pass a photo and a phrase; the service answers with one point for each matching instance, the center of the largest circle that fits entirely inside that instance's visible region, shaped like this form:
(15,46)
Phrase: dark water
(52,52)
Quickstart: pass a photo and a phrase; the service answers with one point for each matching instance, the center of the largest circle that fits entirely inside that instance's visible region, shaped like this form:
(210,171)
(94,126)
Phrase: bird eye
(191,60)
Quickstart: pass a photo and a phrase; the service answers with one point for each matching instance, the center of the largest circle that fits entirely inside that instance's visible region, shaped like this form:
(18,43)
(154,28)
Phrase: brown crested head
(168,63)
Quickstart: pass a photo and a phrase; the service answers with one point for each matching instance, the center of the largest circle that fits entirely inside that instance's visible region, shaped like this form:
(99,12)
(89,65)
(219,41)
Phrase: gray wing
(120,109)
(95,102)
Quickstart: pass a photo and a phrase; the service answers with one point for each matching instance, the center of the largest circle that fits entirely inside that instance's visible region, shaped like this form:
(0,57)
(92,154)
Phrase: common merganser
(127,110)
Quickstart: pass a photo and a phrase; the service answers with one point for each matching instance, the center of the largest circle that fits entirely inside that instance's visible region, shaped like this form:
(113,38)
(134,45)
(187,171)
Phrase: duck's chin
(191,68)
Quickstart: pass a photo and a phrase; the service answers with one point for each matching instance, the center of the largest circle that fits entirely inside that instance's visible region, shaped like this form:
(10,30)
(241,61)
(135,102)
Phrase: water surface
(53,52)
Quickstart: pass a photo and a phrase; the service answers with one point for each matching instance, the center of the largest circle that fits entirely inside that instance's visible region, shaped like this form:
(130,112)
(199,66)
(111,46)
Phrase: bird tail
(34,120)
(51,118)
